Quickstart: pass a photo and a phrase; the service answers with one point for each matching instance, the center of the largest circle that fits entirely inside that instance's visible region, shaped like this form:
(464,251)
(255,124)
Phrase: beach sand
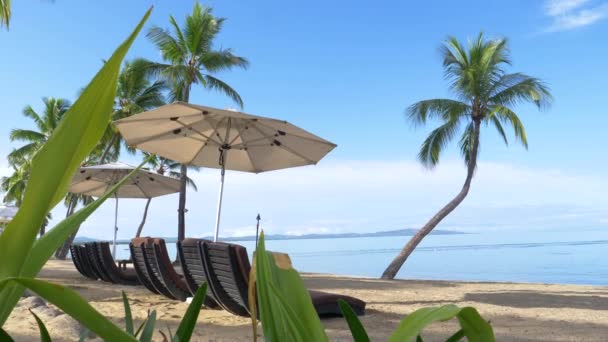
(518,312)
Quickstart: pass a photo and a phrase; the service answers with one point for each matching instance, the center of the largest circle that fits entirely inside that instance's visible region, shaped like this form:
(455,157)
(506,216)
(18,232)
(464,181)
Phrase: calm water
(545,257)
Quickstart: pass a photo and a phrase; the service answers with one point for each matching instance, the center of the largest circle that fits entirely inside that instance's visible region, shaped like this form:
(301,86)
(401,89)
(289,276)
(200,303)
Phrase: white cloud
(571,14)
(364,196)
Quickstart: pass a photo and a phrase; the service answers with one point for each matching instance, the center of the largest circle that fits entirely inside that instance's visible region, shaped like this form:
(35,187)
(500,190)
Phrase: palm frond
(5,13)
(501,131)
(27,135)
(442,109)
(506,115)
(222,59)
(438,139)
(466,143)
(518,88)
(168,45)
(219,85)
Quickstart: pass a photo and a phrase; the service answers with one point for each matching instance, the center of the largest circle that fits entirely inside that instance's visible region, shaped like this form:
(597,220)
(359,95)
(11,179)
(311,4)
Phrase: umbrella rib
(255,168)
(208,138)
(316,139)
(137,118)
(271,139)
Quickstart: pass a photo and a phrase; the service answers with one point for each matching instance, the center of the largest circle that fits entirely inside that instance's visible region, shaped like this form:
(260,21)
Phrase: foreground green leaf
(4,336)
(53,166)
(354,324)
(128,316)
(412,325)
(44,333)
(186,326)
(77,307)
(148,330)
(286,310)
(474,327)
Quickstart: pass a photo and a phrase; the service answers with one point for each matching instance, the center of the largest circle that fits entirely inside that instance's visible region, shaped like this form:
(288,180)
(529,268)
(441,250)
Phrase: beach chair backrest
(226,276)
(76,259)
(139,263)
(166,273)
(91,251)
(193,267)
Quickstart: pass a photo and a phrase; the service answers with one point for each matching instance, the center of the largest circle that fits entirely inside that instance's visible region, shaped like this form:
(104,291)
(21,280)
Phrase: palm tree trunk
(181,211)
(143,219)
(62,252)
(397,263)
(106,151)
(181,219)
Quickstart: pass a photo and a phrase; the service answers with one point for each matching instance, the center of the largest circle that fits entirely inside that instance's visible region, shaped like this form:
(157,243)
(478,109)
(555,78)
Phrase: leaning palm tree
(190,58)
(135,93)
(486,95)
(162,166)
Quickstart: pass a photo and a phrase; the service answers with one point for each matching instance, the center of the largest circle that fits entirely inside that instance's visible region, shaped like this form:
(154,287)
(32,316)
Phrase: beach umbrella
(222,139)
(98,179)
(7,212)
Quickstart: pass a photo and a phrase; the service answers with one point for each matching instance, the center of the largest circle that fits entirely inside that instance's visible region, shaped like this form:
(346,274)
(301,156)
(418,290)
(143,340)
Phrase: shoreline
(518,311)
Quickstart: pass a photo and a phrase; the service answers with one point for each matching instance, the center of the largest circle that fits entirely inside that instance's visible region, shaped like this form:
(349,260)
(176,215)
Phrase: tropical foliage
(52,167)
(190,57)
(486,95)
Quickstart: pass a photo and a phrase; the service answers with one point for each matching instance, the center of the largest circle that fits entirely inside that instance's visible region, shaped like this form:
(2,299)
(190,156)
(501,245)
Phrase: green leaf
(186,326)
(459,335)
(77,307)
(474,327)
(354,324)
(44,333)
(128,316)
(148,330)
(5,337)
(141,326)
(286,310)
(419,339)
(414,323)
(53,166)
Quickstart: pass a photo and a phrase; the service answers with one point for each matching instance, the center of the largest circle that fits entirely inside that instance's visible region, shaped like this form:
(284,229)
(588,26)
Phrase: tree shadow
(529,299)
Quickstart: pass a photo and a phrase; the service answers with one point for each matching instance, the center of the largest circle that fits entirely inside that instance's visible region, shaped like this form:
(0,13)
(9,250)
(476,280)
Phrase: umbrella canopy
(98,179)
(224,139)
(7,212)
(216,138)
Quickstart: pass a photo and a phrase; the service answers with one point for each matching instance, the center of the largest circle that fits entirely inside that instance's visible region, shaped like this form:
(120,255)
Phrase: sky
(346,71)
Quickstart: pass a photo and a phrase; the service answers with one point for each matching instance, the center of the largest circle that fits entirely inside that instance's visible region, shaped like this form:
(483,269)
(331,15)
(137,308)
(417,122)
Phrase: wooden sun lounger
(80,260)
(139,263)
(152,255)
(91,252)
(107,262)
(194,269)
(228,268)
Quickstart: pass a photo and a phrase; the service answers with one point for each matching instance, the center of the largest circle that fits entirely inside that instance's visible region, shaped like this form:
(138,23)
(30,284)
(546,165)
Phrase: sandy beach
(518,312)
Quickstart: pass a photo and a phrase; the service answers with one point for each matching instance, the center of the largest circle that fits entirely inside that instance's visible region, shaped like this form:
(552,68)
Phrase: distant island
(398,232)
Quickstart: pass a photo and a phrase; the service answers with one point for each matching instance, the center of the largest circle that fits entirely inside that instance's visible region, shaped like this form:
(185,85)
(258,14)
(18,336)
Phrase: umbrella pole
(115,227)
(219,206)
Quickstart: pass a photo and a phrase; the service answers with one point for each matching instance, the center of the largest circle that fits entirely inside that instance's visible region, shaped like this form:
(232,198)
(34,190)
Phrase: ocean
(563,257)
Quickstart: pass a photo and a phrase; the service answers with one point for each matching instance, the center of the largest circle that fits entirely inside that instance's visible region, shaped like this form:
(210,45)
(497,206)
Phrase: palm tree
(162,166)
(135,94)
(486,94)
(45,123)
(191,58)
(20,158)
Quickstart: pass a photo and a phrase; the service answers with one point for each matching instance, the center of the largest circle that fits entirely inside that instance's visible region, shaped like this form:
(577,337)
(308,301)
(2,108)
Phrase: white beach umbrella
(98,179)
(223,139)
(7,212)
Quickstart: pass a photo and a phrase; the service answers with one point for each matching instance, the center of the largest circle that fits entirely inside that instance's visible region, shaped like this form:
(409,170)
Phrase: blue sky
(346,70)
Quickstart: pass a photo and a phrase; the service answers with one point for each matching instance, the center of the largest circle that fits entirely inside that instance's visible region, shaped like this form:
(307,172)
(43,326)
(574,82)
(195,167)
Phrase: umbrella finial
(257,230)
